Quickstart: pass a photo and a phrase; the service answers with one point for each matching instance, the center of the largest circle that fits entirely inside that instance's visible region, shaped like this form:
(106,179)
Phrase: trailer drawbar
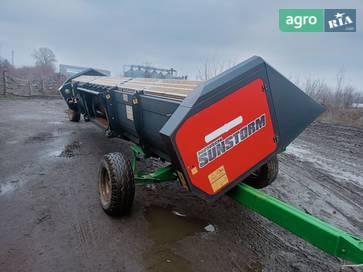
(221,136)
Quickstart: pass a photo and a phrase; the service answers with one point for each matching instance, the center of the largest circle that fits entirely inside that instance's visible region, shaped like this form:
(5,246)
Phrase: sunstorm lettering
(222,145)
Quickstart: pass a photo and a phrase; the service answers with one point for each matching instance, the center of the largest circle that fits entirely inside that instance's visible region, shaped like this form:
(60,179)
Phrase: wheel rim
(105,188)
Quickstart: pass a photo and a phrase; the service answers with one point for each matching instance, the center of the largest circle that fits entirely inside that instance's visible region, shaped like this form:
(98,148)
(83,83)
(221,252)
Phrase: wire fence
(13,85)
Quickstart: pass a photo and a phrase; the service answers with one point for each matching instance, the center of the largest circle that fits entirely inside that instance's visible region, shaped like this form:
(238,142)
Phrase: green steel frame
(161,174)
(326,237)
(320,234)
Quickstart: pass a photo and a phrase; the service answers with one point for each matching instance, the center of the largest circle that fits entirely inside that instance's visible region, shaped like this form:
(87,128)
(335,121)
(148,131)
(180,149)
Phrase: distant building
(70,70)
(150,72)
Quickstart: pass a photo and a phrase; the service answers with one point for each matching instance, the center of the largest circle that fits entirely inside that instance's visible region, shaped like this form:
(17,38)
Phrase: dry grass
(343,116)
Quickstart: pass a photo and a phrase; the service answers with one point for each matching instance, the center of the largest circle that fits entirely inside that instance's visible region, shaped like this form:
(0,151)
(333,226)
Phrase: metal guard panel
(225,140)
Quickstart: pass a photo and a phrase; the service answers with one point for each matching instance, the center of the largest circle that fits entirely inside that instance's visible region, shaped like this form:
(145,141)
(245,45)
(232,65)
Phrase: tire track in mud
(281,251)
(321,195)
(331,163)
(346,191)
(82,227)
(341,141)
(86,239)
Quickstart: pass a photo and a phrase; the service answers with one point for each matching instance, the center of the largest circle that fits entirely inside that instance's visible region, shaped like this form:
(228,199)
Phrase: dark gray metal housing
(149,112)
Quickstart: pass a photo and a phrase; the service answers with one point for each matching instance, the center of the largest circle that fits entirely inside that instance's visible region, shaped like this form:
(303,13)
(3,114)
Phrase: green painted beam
(159,175)
(320,234)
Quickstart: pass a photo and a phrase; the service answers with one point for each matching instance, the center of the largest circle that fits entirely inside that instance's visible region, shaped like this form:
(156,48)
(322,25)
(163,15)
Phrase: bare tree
(339,88)
(318,90)
(44,62)
(212,67)
(344,95)
(358,98)
(44,56)
(348,96)
(341,96)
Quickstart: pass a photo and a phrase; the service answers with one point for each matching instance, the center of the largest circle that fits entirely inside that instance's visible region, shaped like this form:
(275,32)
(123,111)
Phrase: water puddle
(55,153)
(12,142)
(55,122)
(9,187)
(166,227)
(39,138)
(68,151)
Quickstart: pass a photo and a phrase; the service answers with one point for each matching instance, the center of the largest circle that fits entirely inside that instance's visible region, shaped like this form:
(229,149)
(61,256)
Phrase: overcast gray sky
(179,34)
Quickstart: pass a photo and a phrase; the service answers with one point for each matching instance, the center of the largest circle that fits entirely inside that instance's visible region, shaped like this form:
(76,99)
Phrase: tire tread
(122,183)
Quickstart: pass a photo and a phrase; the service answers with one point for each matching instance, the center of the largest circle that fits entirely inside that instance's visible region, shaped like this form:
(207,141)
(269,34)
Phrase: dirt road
(51,220)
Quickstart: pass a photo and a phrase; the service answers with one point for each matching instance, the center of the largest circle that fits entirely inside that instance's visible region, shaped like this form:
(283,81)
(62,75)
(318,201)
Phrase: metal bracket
(161,174)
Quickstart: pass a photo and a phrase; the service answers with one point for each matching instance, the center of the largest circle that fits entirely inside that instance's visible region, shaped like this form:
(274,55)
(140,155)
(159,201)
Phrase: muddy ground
(51,220)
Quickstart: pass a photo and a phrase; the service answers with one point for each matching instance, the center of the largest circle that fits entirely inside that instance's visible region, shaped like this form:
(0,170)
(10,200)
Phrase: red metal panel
(225,140)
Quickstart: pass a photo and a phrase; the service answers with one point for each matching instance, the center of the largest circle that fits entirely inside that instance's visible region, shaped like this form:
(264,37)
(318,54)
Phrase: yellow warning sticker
(218,178)
(194,170)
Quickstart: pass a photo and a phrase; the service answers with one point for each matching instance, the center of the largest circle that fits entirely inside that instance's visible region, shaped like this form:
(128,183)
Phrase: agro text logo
(317,20)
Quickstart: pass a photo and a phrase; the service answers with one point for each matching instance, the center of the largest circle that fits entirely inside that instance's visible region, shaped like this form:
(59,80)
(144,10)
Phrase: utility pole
(12,57)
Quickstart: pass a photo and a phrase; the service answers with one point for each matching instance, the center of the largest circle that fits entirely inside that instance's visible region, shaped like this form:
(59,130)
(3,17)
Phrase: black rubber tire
(73,115)
(122,185)
(265,175)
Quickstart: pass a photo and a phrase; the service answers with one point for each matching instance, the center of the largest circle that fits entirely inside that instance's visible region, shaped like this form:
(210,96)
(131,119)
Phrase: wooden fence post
(30,87)
(4,79)
(43,87)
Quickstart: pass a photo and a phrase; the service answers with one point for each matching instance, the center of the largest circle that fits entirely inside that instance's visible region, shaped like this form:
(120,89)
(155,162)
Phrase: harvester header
(215,135)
